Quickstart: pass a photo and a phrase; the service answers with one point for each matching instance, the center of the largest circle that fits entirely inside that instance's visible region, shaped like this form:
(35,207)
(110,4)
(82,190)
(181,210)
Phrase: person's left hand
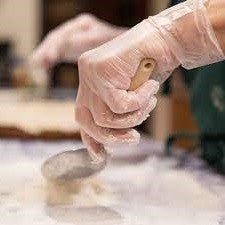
(67,42)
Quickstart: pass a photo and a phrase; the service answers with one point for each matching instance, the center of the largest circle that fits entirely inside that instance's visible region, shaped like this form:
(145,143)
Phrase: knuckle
(87,61)
(83,60)
(50,35)
(86,18)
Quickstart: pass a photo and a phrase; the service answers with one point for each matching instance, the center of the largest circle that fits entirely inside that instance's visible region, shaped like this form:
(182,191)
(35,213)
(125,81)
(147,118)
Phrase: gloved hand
(105,110)
(216,9)
(67,42)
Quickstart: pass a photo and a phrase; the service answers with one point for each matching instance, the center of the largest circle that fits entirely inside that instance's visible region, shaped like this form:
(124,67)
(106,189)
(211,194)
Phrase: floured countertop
(139,186)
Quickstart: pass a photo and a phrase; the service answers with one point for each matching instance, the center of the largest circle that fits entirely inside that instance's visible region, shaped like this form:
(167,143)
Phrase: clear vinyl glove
(67,42)
(105,109)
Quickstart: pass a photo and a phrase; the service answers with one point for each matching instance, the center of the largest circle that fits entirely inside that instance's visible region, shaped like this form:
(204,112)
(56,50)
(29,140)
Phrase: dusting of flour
(151,190)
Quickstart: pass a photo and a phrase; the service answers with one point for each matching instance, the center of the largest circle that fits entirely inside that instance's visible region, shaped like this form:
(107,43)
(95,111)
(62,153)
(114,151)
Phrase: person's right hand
(68,41)
(105,110)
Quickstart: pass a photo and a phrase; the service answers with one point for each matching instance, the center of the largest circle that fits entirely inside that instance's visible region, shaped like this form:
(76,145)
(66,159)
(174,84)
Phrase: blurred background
(23,24)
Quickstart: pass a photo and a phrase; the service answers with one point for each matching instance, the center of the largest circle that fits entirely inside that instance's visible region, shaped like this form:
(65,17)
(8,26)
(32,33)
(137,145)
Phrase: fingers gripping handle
(143,73)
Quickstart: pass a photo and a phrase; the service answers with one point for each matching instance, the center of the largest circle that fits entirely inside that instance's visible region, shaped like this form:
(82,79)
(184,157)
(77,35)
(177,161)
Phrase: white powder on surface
(152,190)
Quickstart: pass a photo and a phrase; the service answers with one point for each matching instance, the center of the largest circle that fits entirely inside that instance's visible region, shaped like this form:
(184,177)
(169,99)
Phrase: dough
(44,119)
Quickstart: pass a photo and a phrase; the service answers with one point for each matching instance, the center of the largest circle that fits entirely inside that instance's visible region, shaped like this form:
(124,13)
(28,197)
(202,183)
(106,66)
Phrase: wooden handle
(143,73)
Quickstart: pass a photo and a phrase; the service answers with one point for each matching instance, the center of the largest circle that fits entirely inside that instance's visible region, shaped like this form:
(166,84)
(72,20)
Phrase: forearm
(192,30)
(216,10)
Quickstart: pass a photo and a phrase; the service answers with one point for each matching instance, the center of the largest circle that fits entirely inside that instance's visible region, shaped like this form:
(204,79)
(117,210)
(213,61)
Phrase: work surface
(139,187)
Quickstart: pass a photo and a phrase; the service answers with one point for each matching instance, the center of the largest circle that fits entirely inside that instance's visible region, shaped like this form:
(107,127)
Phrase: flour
(131,193)
(24,183)
(156,181)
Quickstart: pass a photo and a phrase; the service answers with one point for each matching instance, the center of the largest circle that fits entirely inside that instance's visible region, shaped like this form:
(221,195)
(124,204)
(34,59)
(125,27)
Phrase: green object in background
(208,104)
(207,87)
(208,98)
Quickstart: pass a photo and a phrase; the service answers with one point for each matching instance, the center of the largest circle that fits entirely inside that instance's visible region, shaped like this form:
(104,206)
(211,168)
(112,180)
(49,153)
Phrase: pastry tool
(77,164)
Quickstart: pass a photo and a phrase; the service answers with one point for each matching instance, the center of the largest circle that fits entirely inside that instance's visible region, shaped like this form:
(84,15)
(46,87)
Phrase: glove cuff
(188,32)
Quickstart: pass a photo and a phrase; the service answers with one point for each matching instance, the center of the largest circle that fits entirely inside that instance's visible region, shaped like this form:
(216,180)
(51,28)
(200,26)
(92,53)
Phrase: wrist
(188,31)
(216,11)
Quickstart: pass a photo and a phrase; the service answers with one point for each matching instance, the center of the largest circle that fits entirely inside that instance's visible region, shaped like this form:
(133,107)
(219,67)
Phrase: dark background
(118,12)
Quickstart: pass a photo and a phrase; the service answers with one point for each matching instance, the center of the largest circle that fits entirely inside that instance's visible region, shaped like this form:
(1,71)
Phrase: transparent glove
(67,42)
(216,9)
(105,110)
